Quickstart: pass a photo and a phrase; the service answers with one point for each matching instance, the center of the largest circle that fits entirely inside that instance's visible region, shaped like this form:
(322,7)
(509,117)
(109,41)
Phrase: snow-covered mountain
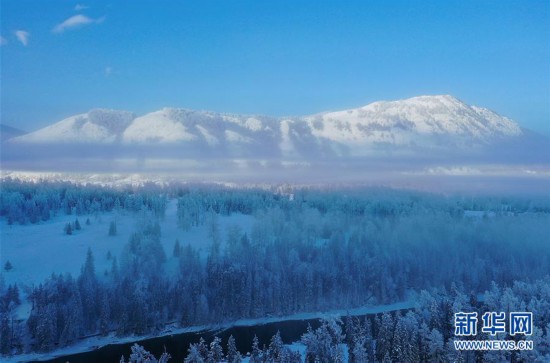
(172,125)
(96,126)
(398,122)
(419,122)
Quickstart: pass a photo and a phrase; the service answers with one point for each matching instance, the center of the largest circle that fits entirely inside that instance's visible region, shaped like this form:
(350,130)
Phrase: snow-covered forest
(308,250)
(422,334)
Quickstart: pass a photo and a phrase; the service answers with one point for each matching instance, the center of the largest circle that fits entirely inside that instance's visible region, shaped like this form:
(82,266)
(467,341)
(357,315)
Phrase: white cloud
(3,41)
(75,22)
(80,7)
(108,71)
(23,36)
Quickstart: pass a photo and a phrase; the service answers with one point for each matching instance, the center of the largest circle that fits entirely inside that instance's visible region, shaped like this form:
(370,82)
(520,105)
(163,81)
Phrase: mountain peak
(446,97)
(96,126)
(448,100)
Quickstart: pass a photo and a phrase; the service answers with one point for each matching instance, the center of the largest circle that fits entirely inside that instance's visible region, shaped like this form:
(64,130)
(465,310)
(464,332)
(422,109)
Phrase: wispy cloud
(108,71)
(3,41)
(80,7)
(75,22)
(23,36)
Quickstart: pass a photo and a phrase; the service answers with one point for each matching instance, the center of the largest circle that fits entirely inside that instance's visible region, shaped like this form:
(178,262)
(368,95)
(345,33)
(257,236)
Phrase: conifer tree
(68,229)
(177,249)
(8,266)
(215,355)
(112,229)
(233,355)
(256,354)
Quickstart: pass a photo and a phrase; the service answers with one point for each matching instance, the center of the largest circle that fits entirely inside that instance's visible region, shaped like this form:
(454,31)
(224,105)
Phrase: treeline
(30,202)
(196,202)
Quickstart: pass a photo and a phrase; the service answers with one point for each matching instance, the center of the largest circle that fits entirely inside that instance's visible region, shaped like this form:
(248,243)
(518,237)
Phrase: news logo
(493,323)
(521,323)
(465,324)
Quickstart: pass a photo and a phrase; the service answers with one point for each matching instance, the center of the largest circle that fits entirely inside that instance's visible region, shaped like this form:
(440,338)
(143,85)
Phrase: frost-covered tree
(233,355)
(275,352)
(89,291)
(194,355)
(256,353)
(324,343)
(56,315)
(140,355)
(358,340)
(384,339)
(436,346)
(215,354)
(5,334)
(11,332)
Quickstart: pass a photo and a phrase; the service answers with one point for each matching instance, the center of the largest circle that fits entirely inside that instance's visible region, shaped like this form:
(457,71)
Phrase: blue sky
(60,58)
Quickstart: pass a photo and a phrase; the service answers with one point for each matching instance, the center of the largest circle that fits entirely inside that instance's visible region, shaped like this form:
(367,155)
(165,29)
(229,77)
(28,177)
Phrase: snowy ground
(38,250)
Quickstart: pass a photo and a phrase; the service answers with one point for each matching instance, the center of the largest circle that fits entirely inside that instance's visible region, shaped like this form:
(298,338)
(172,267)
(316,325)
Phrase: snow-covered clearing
(38,250)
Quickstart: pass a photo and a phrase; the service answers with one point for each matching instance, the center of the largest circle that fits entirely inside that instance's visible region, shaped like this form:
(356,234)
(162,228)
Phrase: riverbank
(99,342)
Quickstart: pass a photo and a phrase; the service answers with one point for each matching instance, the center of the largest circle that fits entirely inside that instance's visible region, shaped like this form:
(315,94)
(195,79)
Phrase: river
(177,344)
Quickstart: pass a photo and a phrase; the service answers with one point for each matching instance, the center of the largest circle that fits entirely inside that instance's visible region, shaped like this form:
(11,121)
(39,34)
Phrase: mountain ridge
(439,122)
